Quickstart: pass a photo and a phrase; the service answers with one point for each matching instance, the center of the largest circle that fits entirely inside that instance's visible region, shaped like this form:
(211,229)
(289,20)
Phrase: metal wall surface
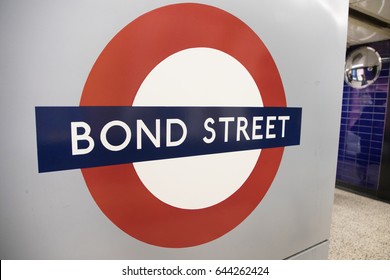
(47,52)
(317,252)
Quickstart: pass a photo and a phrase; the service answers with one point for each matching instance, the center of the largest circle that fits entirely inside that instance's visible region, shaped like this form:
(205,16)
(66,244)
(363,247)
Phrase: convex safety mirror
(362,67)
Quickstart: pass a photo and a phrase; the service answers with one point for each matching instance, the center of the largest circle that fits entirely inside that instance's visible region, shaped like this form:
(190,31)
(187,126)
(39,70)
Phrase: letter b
(80,137)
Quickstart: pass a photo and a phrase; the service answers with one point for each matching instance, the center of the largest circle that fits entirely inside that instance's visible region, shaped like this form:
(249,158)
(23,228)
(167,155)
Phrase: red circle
(114,81)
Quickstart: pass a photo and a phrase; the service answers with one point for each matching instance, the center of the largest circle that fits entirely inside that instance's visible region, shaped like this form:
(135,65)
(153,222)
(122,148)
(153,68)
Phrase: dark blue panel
(375,159)
(156,133)
(377,138)
(384,72)
(382,80)
(376,145)
(379,117)
(367,114)
(380,95)
(378,130)
(365,122)
(365,129)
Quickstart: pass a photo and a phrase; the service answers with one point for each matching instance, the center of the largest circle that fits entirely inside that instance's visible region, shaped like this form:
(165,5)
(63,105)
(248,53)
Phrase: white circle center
(198,77)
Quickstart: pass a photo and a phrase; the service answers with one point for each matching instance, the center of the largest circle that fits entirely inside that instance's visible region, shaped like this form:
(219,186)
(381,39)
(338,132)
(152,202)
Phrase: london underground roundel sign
(115,79)
(181,126)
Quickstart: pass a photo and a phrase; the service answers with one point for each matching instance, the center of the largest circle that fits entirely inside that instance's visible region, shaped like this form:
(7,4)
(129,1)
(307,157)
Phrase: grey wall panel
(48,50)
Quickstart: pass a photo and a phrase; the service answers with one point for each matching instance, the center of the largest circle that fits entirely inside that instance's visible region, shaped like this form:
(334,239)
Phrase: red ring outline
(114,81)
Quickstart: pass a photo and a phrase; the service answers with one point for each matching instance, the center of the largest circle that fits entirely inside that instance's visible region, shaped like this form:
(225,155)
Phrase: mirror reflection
(362,67)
